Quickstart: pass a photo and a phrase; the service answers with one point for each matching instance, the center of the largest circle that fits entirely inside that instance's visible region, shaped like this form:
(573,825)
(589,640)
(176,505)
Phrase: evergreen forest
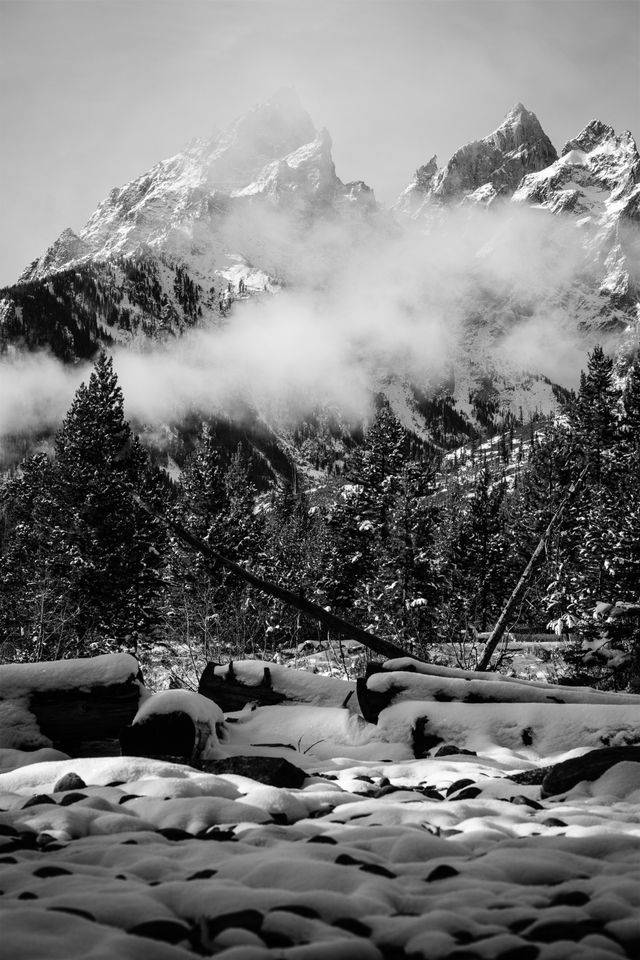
(417,546)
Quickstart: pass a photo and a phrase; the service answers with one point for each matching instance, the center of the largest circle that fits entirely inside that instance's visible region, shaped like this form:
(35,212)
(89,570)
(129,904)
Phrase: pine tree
(598,546)
(593,416)
(410,575)
(361,519)
(99,552)
(209,613)
(477,558)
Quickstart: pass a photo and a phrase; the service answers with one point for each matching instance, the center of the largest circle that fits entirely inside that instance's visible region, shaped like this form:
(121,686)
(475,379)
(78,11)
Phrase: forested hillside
(419,549)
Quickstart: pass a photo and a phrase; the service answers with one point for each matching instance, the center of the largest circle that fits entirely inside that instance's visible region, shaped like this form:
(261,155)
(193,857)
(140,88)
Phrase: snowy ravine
(375,854)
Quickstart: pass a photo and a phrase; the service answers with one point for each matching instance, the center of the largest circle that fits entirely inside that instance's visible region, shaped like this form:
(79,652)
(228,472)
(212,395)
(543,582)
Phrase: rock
(37,799)
(168,931)
(274,771)
(71,798)
(530,777)
(469,793)
(458,785)
(572,930)
(163,737)
(523,801)
(51,871)
(70,781)
(563,776)
(442,872)
(570,898)
(449,749)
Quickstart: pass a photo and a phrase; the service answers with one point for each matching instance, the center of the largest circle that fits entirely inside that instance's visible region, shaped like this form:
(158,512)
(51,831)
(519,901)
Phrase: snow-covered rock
(496,165)
(597,181)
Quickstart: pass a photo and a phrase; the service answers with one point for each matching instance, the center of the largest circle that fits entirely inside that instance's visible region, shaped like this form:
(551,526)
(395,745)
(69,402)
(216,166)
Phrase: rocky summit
(494,165)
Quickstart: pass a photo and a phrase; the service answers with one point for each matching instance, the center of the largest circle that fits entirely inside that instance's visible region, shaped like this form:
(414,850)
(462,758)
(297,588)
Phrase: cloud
(360,301)
(35,391)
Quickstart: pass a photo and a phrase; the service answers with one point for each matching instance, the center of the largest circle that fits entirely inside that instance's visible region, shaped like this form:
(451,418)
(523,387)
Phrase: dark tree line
(74,312)
(419,555)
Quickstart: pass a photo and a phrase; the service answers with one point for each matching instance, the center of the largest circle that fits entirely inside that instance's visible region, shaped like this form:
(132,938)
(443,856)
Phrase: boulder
(274,771)
(563,776)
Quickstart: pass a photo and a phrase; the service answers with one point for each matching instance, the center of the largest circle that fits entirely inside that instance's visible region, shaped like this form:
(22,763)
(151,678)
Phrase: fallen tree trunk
(231,694)
(254,682)
(86,723)
(79,706)
(383,688)
(498,631)
(297,600)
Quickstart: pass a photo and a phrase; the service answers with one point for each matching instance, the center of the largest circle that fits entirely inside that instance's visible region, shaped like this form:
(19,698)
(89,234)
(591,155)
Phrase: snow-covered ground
(376,854)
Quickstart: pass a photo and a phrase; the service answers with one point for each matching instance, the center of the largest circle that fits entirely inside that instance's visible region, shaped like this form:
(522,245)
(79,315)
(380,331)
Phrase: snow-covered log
(531,730)
(231,691)
(77,706)
(255,682)
(384,687)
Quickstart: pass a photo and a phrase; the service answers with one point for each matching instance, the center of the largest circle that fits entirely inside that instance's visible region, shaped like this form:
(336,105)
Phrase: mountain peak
(521,127)
(285,99)
(267,132)
(287,122)
(516,110)
(68,247)
(517,147)
(594,134)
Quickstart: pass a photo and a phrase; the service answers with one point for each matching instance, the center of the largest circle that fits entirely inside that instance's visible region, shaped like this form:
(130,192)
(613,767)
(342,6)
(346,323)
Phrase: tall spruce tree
(361,520)
(81,535)
(478,557)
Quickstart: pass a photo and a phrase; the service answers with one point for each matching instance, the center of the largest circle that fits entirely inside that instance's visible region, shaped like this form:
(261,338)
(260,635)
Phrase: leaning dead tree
(498,631)
(297,600)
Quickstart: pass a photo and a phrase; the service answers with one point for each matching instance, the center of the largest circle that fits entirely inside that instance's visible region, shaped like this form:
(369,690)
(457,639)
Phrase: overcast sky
(94,92)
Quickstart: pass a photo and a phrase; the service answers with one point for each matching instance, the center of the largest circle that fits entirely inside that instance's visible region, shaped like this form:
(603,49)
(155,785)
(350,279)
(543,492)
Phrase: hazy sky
(93,92)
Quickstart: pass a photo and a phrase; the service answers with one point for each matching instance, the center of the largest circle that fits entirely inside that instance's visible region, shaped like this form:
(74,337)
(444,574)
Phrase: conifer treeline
(417,554)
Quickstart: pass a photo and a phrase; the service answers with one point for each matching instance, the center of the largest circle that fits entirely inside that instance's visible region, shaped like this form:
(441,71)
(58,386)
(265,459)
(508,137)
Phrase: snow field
(153,859)
(377,854)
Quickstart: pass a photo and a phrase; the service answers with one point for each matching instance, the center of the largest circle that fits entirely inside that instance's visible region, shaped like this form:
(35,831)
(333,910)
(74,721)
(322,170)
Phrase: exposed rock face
(494,166)
(307,173)
(68,247)
(414,197)
(519,146)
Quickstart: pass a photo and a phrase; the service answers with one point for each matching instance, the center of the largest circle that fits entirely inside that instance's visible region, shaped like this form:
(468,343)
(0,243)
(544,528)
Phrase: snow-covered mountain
(173,247)
(597,181)
(217,222)
(483,169)
(272,153)
(594,184)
